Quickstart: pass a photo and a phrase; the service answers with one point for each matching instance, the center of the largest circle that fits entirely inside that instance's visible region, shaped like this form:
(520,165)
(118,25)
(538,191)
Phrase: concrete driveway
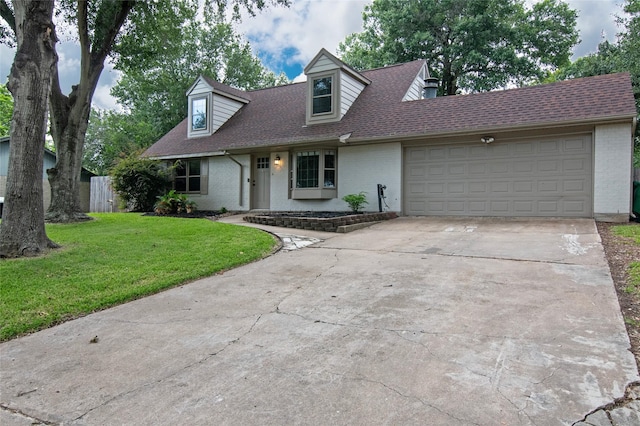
(411,321)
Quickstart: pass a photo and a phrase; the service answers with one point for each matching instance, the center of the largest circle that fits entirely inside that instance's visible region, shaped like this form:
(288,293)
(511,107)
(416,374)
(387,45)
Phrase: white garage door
(550,177)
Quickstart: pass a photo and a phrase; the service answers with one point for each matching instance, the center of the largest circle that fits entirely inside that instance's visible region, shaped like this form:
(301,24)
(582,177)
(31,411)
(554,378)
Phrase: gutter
(226,154)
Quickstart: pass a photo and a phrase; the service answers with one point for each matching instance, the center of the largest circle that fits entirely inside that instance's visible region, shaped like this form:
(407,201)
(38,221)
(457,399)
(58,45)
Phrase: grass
(633,233)
(114,259)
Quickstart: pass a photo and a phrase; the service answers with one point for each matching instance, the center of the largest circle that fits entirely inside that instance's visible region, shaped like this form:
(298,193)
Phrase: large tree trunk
(22,231)
(70,114)
(69,120)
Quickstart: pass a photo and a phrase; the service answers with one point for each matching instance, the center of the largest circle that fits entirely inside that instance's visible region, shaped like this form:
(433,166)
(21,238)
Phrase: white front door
(261,182)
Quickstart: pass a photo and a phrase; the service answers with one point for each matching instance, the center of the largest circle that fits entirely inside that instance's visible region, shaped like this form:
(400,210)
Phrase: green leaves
(6,110)
(470,45)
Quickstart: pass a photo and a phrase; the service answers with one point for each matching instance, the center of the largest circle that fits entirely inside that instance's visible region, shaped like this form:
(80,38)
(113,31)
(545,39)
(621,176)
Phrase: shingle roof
(276,116)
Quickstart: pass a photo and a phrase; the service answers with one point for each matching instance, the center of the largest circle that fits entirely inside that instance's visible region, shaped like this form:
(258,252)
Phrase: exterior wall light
(487,139)
(276,162)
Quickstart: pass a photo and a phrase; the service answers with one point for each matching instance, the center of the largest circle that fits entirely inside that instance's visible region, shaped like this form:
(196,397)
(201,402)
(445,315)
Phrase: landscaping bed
(318,221)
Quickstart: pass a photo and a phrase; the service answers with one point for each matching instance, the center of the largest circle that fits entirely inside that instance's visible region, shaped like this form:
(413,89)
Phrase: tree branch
(7,14)
(102,48)
(83,29)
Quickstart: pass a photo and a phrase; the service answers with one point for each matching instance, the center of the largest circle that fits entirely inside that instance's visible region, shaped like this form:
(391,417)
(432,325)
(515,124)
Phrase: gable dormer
(420,85)
(332,87)
(211,104)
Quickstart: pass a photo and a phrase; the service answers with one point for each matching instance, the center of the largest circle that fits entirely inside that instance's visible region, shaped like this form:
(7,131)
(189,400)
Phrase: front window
(199,114)
(315,168)
(322,95)
(187,176)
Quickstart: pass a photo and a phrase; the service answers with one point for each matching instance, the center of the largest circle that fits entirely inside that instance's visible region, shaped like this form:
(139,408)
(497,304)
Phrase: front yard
(114,259)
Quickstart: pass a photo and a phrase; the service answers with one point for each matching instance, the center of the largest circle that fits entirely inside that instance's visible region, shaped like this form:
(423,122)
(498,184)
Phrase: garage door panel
(569,186)
(523,186)
(531,178)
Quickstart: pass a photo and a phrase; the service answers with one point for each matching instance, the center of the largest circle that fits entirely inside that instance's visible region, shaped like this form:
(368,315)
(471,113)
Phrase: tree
(99,23)
(623,56)
(6,110)
(22,233)
(112,136)
(470,45)
(154,88)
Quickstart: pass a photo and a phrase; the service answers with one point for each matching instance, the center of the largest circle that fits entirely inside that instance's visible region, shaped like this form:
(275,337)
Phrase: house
(49,161)
(554,150)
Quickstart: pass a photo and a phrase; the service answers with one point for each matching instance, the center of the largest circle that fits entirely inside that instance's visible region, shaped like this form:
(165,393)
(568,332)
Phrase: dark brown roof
(276,116)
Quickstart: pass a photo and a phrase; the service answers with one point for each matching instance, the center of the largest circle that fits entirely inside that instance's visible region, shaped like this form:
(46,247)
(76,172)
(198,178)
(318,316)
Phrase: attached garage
(544,177)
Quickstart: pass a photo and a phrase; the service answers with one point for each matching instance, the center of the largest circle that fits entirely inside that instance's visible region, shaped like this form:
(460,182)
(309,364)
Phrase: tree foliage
(112,136)
(470,45)
(622,56)
(168,61)
(6,110)
(139,181)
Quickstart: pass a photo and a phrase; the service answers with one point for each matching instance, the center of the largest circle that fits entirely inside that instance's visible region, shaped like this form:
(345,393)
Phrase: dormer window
(322,95)
(199,114)
(332,87)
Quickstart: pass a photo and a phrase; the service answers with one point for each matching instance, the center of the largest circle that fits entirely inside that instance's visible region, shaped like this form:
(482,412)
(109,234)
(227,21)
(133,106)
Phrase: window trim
(321,191)
(334,114)
(189,176)
(206,130)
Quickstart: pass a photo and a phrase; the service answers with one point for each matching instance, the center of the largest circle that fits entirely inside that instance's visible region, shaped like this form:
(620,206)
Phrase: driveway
(411,321)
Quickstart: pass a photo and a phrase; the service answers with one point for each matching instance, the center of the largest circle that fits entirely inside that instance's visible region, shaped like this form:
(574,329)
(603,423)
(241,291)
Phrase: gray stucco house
(555,150)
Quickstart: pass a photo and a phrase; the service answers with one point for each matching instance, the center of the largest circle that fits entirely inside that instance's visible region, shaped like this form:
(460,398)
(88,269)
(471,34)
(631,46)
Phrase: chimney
(430,89)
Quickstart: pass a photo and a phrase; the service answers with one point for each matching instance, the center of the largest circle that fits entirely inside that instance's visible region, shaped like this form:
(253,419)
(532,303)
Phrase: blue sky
(286,39)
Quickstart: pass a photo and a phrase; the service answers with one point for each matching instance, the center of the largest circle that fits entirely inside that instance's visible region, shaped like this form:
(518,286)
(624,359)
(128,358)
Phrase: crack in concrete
(616,403)
(521,410)
(454,254)
(172,374)
(34,420)
(413,397)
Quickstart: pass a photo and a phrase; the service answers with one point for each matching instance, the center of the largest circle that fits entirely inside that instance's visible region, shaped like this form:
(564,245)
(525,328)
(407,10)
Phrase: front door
(260,182)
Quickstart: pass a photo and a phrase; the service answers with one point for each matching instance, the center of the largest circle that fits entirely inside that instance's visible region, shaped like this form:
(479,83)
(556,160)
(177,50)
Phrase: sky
(286,39)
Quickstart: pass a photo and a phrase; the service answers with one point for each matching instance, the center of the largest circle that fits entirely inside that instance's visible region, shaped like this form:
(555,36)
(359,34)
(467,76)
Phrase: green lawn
(633,233)
(114,259)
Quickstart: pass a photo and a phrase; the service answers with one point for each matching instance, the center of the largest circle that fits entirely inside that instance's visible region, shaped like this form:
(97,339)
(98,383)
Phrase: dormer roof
(220,89)
(326,56)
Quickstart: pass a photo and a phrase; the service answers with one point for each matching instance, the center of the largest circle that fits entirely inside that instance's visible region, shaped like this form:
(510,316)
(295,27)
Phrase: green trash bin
(636,198)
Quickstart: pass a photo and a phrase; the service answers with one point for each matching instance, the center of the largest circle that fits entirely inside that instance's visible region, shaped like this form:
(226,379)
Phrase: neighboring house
(555,150)
(49,161)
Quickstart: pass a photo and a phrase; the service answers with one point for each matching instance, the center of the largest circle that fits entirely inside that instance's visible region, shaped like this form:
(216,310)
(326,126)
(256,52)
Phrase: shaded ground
(620,252)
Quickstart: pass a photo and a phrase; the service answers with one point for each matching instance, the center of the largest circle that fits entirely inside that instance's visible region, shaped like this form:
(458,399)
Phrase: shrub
(356,201)
(173,202)
(138,182)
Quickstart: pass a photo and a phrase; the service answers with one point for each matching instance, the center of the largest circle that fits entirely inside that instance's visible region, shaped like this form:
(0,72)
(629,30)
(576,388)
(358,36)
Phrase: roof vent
(430,89)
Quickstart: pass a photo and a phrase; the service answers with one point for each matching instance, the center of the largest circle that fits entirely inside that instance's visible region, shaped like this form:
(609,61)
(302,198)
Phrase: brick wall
(320,224)
(612,172)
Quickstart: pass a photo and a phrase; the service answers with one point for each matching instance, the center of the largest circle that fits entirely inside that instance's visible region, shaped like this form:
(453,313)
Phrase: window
(187,176)
(307,166)
(330,169)
(314,174)
(322,95)
(199,114)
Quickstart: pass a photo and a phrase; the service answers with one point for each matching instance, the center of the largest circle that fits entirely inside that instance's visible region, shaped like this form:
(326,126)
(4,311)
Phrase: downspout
(240,174)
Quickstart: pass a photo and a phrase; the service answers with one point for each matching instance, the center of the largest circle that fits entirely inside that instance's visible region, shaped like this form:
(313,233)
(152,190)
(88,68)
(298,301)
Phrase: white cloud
(595,18)
(297,33)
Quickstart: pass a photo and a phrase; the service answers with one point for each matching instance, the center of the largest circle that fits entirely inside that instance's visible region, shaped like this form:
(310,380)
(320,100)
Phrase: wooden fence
(103,199)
